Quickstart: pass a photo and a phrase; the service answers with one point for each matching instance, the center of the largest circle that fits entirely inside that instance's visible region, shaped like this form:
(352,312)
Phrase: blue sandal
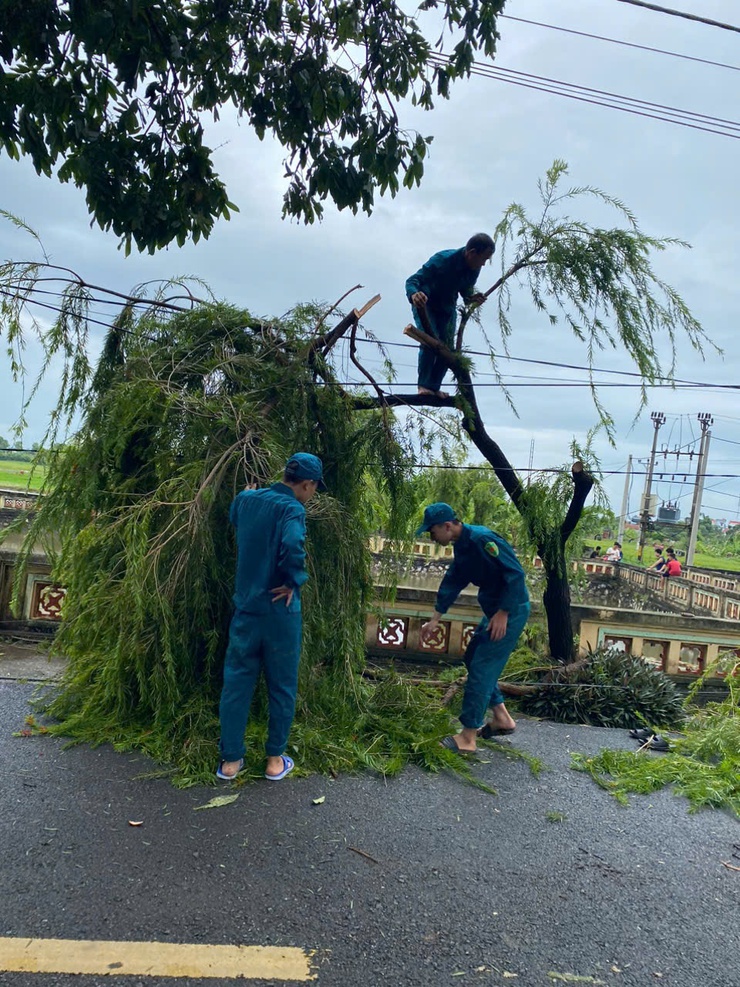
(288,765)
(223,777)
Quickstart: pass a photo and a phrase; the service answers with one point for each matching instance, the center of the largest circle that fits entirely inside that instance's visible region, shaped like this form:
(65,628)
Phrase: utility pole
(658,419)
(625,500)
(706,421)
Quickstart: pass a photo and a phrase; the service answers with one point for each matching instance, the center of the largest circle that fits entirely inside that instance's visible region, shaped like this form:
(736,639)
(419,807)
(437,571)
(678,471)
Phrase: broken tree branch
(327,340)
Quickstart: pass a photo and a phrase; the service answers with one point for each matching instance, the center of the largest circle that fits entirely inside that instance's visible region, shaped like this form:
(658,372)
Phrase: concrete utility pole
(625,500)
(706,421)
(658,419)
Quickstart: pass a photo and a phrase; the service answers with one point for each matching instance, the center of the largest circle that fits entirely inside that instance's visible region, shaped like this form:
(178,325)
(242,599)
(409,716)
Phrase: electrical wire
(487,466)
(584,94)
(585,383)
(402,345)
(681,13)
(626,44)
(548,363)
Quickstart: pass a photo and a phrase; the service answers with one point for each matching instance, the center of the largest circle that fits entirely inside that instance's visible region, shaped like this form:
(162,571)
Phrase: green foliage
(476,494)
(600,283)
(117,91)
(607,689)
(181,413)
(703,765)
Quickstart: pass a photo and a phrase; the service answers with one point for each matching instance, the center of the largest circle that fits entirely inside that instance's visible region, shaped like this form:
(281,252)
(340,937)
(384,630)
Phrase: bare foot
(501,719)
(231,768)
(442,394)
(426,392)
(275,765)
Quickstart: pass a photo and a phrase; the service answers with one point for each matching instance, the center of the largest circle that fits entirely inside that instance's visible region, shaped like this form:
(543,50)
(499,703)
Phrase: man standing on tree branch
(488,561)
(433,292)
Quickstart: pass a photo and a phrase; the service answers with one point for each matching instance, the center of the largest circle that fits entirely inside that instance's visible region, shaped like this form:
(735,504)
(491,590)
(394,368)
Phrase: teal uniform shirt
(488,561)
(444,276)
(270,541)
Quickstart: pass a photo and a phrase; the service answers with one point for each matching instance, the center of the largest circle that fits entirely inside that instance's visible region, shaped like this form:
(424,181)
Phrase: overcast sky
(492,141)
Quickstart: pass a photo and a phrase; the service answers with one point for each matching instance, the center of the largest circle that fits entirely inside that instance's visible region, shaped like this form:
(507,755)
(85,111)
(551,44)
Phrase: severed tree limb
(451,691)
(327,340)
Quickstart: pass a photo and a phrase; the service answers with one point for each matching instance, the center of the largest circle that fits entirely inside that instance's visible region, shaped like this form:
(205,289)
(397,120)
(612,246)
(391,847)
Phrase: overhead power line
(561,366)
(625,44)
(678,382)
(681,13)
(599,97)
(555,383)
(515,469)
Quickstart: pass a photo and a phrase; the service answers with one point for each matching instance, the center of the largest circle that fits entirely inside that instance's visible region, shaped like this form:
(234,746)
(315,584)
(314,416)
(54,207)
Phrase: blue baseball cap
(435,514)
(305,466)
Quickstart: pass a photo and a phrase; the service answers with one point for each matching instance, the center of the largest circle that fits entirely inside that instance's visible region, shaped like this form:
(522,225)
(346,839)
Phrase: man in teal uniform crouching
(434,290)
(265,631)
(488,561)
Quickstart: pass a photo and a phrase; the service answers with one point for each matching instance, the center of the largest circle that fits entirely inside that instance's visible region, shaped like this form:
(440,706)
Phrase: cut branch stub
(327,340)
(582,483)
(360,312)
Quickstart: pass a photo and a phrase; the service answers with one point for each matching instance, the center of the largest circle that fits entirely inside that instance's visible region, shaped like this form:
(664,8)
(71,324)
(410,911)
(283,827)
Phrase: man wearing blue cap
(265,631)
(433,290)
(488,561)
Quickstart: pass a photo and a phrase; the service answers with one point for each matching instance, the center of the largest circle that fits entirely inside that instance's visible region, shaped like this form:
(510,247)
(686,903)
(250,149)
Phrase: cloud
(491,143)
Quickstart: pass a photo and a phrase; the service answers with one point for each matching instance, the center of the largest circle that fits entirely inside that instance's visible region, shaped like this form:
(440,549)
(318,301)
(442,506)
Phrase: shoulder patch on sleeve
(491,548)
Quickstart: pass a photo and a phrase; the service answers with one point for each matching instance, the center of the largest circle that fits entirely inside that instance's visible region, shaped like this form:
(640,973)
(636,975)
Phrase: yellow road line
(154,959)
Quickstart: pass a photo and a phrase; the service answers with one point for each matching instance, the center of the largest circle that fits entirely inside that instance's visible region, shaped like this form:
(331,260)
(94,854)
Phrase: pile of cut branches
(703,764)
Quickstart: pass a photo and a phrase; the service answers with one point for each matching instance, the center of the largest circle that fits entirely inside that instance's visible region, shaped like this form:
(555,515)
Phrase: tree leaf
(217,802)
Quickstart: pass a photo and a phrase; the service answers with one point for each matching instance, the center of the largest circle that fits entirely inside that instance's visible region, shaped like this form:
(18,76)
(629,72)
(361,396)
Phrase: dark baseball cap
(435,514)
(305,466)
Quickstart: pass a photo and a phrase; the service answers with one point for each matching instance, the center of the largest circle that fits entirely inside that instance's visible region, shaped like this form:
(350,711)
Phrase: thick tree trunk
(556,601)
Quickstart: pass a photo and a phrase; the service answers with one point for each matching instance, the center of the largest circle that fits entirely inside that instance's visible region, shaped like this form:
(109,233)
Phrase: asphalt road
(463,888)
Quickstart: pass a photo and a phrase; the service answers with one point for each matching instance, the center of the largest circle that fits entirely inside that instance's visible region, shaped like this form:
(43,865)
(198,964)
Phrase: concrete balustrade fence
(704,622)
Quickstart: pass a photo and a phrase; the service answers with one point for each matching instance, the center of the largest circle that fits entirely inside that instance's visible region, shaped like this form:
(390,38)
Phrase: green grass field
(18,476)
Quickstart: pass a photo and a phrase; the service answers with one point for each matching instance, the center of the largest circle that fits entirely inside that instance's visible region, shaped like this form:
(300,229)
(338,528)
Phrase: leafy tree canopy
(181,412)
(116,91)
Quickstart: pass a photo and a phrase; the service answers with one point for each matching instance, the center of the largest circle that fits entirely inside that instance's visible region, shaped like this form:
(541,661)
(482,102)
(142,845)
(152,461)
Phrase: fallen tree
(192,400)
